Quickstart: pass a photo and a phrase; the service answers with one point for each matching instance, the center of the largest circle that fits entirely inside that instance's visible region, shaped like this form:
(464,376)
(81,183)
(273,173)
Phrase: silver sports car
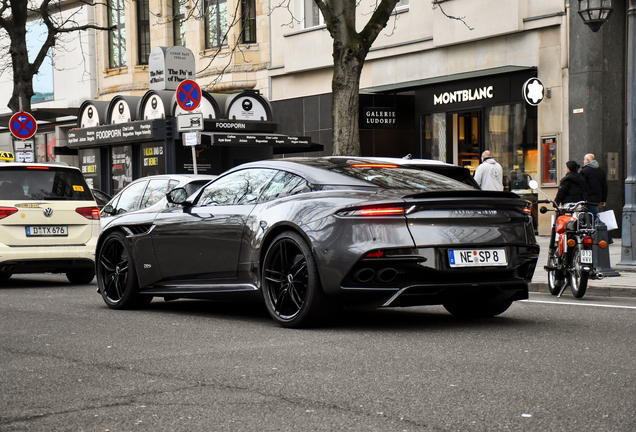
(308,235)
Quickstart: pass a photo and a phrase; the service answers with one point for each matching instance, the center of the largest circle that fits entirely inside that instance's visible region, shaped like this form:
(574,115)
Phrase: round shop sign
(23,125)
(533,91)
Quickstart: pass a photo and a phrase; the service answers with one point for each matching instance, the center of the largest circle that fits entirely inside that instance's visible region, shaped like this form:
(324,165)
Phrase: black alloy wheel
(116,275)
(578,276)
(290,283)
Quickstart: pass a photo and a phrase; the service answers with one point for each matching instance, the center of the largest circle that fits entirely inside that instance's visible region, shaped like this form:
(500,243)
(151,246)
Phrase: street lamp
(595,12)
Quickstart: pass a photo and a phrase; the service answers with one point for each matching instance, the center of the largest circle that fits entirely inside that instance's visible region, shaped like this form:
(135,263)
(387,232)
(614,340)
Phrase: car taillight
(7,211)
(37,167)
(588,241)
(386,211)
(376,254)
(91,213)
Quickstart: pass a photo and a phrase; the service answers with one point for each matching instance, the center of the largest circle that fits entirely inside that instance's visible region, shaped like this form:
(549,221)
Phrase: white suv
(49,221)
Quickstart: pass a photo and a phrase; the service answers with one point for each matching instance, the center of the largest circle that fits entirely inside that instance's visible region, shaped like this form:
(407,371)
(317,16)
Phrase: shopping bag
(609,219)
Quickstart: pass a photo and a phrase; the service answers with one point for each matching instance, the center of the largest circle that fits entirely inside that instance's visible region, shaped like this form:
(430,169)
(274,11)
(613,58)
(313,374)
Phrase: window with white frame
(178,23)
(216,26)
(117,34)
(313,16)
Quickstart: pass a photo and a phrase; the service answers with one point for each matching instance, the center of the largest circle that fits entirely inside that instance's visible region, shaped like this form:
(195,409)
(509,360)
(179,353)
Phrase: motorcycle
(571,251)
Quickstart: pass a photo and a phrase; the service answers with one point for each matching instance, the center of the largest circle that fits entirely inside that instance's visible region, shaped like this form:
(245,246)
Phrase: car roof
(318,170)
(47,164)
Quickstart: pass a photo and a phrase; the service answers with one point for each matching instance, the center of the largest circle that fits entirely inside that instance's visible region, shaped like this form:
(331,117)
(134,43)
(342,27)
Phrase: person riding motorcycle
(572,187)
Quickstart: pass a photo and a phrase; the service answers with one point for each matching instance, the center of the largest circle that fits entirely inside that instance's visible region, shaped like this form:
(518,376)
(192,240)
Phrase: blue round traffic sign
(23,125)
(188,95)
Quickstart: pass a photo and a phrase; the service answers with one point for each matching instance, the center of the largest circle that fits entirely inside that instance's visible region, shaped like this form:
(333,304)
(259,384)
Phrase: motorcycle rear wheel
(578,277)
(556,278)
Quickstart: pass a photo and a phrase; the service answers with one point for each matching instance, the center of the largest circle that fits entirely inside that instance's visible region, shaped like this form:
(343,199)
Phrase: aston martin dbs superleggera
(310,234)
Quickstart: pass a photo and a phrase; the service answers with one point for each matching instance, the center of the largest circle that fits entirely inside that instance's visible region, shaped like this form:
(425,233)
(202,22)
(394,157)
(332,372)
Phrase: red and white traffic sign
(188,95)
(23,125)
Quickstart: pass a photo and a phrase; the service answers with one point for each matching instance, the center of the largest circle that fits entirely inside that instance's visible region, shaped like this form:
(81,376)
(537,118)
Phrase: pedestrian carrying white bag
(609,219)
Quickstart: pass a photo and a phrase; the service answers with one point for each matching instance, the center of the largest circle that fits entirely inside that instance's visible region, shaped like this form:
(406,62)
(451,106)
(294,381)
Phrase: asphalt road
(69,363)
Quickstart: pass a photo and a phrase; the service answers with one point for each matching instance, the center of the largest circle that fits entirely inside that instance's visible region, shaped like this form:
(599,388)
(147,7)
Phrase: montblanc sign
(463,95)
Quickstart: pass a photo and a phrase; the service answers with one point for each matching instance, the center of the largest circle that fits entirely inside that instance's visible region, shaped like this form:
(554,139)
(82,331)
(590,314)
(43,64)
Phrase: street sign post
(192,139)
(188,95)
(23,125)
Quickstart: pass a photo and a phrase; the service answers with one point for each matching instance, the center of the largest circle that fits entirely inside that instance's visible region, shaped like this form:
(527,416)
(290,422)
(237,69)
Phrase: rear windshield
(43,183)
(402,178)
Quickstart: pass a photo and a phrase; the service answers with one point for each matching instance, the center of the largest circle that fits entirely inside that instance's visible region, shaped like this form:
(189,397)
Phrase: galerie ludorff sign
(168,67)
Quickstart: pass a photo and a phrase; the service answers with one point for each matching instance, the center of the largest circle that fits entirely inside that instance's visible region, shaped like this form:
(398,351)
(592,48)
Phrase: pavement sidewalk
(623,285)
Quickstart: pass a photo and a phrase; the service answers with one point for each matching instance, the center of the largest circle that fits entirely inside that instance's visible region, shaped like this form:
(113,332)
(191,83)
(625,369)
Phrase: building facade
(432,86)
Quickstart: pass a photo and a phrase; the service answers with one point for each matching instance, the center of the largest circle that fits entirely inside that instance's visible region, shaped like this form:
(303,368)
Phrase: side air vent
(135,230)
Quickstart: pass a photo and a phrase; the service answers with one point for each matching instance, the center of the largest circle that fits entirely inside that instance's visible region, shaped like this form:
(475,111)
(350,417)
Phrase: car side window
(156,190)
(284,184)
(129,197)
(239,187)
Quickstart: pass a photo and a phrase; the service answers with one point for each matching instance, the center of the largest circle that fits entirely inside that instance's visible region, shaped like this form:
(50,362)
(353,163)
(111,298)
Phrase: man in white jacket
(489,174)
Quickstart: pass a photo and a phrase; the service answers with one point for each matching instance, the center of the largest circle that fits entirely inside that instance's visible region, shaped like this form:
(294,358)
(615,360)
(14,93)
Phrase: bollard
(601,260)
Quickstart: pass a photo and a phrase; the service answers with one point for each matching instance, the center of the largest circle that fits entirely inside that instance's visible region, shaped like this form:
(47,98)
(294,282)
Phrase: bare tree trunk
(350,49)
(345,106)
(22,74)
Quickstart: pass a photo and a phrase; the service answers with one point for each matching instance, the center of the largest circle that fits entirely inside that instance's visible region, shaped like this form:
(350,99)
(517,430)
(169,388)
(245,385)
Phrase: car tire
(81,276)
(290,283)
(116,274)
(478,310)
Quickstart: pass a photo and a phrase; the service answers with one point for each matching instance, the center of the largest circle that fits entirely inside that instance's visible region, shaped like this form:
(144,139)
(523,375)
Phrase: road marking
(579,304)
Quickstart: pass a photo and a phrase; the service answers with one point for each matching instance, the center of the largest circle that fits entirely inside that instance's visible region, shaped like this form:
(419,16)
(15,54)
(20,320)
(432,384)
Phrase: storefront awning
(407,85)
(280,143)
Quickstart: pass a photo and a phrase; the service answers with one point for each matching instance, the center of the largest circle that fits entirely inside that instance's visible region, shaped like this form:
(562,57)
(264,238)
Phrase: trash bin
(601,260)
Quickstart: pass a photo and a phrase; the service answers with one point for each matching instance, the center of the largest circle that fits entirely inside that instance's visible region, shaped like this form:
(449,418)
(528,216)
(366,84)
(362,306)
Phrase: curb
(615,291)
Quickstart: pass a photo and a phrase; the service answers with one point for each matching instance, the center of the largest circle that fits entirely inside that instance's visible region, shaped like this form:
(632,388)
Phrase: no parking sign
(23,125)
(188,95)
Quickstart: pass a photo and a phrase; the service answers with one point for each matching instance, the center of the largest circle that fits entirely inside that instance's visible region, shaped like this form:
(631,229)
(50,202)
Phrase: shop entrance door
(453,137)
(467,139)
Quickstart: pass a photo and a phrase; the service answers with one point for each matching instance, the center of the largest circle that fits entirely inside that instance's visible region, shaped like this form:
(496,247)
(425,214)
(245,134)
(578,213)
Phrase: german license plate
(477,257)
(586,256)
(47,231)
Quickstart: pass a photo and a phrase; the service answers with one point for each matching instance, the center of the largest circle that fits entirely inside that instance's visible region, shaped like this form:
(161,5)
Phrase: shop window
(117,35)
(248,21)
(216,26)
(178,23)
(143,31)
(510,135)
(434,137)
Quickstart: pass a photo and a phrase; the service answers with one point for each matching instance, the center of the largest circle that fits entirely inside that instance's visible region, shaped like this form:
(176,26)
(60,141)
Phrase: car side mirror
(177,196)
(108,209)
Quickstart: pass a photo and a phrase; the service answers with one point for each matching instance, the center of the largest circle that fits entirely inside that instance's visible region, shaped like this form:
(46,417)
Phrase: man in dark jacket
(596,182)
(572,187)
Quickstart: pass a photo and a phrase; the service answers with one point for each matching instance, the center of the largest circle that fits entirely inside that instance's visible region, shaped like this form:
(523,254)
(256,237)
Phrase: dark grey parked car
(305,234)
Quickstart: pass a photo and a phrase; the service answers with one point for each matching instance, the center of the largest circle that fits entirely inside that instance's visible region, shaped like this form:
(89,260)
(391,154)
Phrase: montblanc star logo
(533,91)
